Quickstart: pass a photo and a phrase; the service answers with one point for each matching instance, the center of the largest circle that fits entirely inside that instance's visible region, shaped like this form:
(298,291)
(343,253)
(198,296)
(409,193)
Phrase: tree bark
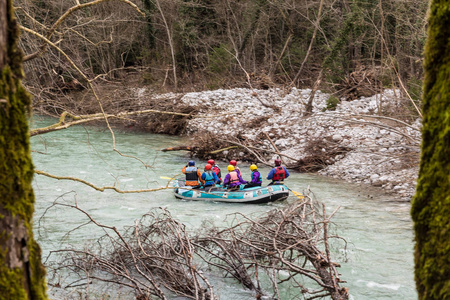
(431,205)
(22,275)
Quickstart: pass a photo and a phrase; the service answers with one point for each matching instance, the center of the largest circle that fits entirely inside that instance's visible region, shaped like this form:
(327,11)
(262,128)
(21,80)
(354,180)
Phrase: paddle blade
(298,195)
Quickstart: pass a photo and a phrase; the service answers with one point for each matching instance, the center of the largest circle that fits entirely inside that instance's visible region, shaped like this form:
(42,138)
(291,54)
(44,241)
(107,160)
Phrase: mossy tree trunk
(431,204)
(22,275)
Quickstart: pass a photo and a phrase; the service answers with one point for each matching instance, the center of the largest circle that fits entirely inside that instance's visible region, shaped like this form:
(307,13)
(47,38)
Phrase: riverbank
(352,142)
(371,140)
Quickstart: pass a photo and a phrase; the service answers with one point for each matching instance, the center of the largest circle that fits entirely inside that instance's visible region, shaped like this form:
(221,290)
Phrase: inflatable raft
(252,195)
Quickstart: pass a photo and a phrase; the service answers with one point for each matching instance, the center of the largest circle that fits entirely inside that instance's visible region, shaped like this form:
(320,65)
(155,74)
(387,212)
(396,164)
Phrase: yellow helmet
(230,168)
(253,167)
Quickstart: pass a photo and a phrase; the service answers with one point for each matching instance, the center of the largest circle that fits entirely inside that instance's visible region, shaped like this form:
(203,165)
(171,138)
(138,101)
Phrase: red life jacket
(217,171)
(280,175)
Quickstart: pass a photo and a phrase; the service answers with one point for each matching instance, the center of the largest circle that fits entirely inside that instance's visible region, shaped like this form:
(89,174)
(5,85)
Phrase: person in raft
(209,176)
(215,169)
(236,168)
(256,177)
(278,174)
(193,174)
(233,180)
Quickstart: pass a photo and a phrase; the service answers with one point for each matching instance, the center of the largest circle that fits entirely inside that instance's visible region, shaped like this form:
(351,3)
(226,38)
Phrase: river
(378,263)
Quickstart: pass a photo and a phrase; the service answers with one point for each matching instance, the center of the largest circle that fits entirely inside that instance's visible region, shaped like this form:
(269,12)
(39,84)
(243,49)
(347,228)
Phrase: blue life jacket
(209,178)
(259,179)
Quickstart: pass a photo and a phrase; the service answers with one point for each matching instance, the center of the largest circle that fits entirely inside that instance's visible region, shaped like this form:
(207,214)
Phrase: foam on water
(372,284)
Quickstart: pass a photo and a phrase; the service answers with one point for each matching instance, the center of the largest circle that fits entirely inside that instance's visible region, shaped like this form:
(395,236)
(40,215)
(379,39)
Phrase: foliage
(332,102)
(220,60)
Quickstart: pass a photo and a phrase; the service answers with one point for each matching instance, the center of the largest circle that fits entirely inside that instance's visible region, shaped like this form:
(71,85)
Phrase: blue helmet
(191,163)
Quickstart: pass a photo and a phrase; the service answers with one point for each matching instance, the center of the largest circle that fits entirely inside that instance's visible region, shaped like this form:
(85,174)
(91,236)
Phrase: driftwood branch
(101,189)
(193,149)
(179,148)
(157,255)
(81,119)
(273,145)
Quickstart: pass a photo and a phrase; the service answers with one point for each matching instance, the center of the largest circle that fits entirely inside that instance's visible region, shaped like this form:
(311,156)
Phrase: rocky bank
(381,151)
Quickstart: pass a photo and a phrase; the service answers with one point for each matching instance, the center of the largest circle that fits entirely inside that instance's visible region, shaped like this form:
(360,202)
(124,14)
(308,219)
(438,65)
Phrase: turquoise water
(377,264)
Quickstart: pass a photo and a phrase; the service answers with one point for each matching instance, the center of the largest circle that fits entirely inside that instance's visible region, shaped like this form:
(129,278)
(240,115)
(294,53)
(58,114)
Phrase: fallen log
(189,148)
(180,148)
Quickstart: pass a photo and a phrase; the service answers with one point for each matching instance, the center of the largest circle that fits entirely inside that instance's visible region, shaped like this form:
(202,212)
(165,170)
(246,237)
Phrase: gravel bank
(380,151)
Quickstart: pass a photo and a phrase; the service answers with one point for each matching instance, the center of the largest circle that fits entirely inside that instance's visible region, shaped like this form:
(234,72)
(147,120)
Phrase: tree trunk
(22,275)
(431,204)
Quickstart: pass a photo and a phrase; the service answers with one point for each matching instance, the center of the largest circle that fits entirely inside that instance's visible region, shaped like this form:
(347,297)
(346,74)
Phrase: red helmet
(208,167)
(233,162)
(277,162)
(211,162)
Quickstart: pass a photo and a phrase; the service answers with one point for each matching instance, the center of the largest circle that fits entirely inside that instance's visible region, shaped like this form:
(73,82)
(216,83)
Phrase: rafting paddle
(297,194)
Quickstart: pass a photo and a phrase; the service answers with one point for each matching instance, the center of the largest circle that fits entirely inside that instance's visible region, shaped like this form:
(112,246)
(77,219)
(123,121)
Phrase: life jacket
(216,170)
(209,178)
(191,176)
(233,177)
(280,174)
(259,179)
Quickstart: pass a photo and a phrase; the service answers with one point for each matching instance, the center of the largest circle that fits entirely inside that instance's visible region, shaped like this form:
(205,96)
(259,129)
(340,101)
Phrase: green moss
(16,174)
(11,283)
(16,165)
(431,205)
(15,189)
(12,280)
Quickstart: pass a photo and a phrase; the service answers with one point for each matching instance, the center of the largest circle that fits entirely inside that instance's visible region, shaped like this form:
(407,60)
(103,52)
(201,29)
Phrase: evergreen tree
(431,204)
(22,275)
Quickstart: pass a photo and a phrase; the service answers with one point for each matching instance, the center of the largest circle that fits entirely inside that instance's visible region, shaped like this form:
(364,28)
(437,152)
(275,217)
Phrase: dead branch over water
(159,258)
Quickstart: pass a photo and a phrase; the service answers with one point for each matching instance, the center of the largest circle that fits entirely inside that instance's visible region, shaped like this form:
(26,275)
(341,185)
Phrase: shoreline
(352,142)
(345,140)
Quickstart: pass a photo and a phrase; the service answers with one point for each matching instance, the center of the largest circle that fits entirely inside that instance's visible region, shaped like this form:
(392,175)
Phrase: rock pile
(380,151)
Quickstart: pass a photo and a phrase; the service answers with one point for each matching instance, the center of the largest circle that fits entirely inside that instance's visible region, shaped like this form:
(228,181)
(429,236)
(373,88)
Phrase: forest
(348,48)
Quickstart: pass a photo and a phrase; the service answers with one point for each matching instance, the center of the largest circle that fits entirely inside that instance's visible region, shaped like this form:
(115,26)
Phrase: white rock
(336,137)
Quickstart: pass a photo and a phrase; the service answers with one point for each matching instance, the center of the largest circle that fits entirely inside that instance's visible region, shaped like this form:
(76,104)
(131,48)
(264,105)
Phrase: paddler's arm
(226,180)
(200,177)
(287,173)
(241,180)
